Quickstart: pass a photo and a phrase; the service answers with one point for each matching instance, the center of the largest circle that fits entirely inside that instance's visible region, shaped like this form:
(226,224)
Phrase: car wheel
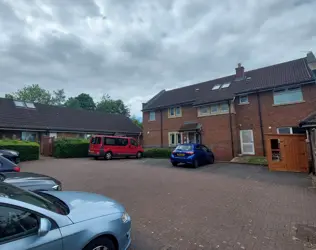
(174,164)
(195,163)
(108,156)
(139,155)
(103,243)
(212,160)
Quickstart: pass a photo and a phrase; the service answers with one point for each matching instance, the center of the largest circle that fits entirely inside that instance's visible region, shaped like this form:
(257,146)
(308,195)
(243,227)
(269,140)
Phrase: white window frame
(291,130)
(249,143)
(285,91)
(20,104)
(219,109)
(175,112)
(150,116)
(225,85)
(200,113)
(243,102)
(175,134)
(216,86)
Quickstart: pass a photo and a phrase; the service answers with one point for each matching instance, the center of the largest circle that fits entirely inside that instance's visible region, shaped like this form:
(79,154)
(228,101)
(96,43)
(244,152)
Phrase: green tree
(59,97)
(110,106)
(33,93)
(72,103)
(137,122)
(86,101)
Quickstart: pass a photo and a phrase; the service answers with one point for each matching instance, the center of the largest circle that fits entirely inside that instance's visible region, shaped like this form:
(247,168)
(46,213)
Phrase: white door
(246,141)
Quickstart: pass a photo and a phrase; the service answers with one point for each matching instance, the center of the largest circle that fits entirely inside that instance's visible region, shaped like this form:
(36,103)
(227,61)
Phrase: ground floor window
(291,130)
(175,138)
(29,136)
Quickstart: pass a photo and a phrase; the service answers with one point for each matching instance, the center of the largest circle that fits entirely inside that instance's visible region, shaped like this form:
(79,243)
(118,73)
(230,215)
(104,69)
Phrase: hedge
(28,150)
(157,152)
(70,148)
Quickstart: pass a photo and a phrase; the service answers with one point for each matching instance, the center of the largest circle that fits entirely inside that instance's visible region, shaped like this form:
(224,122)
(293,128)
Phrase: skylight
(20,104)
(217,86)
(30,105)
(225,85)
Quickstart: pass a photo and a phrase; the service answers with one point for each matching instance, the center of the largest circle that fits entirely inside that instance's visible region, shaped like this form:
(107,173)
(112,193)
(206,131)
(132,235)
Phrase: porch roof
(309,121)
(187,127)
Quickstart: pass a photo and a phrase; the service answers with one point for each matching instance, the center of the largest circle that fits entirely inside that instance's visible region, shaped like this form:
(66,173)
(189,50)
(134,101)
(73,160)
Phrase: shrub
(158,152)
(70,148)
(28,150)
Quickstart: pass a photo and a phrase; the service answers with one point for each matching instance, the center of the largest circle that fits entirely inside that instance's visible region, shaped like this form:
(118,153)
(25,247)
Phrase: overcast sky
(131,49)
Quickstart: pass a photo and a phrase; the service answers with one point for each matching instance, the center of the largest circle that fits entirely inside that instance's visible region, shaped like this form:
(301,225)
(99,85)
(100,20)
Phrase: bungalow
(30,121)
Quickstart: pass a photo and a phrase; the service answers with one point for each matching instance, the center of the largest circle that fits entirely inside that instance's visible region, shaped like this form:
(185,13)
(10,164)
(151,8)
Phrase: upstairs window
(287,96)
(203,111)
(217,86)
(243,99)
(152,116)
(20,104)
(174,112)
(225,85)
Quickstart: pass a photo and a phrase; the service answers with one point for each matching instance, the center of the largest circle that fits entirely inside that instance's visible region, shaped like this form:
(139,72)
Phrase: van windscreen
(96,140)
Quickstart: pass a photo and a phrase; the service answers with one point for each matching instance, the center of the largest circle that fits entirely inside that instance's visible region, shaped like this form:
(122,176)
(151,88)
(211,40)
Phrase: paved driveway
(220,206)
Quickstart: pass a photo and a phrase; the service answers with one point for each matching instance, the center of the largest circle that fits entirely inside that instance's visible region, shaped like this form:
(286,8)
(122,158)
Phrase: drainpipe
(231,129)
(311,150)
(261,125)
(161,128)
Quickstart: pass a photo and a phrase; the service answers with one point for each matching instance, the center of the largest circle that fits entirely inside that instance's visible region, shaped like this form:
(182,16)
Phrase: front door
(246,142)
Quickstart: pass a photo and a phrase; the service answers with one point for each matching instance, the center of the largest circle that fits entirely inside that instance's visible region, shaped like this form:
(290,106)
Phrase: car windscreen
(15,193)
(184,147)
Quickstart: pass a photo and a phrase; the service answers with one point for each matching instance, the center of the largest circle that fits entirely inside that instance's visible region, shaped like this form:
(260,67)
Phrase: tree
(72,103)
(34,93)
(59,97)
(137,122)
(86,101)
(110,106)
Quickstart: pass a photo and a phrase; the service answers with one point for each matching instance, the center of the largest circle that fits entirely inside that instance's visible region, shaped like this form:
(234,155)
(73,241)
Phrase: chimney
(311,61)
(240,72)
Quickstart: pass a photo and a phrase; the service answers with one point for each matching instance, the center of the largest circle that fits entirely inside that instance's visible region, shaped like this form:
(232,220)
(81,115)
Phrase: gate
(47,145)
(287,152)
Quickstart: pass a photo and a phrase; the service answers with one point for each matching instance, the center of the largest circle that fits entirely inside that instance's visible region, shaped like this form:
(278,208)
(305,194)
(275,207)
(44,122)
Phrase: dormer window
(217,86)
(20,104)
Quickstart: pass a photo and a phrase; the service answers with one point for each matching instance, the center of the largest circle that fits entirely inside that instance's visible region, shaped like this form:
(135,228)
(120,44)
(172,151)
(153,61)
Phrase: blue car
(193,154)
(58,220)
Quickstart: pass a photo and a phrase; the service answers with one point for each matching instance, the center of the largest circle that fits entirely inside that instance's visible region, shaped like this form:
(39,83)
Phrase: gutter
(168,106)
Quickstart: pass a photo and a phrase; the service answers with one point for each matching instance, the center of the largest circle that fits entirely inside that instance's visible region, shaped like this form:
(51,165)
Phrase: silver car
(59,220)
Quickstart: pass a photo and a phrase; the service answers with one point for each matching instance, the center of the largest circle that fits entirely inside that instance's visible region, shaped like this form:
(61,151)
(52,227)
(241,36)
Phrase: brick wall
(216,129)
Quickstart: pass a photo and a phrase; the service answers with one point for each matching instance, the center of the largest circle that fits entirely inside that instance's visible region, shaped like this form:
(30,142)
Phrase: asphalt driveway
(220,206)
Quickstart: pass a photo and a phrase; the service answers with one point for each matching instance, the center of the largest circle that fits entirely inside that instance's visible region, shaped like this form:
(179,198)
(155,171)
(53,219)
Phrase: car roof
(112,136)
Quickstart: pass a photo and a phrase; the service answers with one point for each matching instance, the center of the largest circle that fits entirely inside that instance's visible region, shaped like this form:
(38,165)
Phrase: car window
(205,148)
(134,143)
(184,147)
(198,147)
(15,193)
(96,140)
(109,141)
(122,142)
(16,223)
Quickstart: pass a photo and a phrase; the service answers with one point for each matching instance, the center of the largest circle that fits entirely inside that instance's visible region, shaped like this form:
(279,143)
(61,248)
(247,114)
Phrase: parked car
(61,221)
(114,146)
(11,155)
(31,181)
(8,166)
(193,154)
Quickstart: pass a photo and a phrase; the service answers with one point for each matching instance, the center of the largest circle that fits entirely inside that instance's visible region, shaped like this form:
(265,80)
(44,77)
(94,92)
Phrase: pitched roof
(61,118)
(309,120)
(270,77)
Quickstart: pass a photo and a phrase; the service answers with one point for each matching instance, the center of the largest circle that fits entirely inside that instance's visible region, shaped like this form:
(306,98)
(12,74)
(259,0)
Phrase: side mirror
(45,226)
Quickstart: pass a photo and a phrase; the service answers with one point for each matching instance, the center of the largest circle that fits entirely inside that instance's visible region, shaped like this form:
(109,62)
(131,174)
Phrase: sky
(132,49)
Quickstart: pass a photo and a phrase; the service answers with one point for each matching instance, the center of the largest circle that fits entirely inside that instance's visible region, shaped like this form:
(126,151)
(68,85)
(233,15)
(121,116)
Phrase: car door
(199,154)
(133,146)
(19,229)
(207,153)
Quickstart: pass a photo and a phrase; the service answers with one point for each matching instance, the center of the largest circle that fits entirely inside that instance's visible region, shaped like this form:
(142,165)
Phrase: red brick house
(231,114)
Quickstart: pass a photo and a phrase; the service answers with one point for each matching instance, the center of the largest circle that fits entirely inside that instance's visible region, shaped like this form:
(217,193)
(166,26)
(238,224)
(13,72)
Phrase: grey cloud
(140,47)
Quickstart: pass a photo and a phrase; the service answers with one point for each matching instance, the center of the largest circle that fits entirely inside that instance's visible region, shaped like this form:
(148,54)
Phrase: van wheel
(108,156)
(139,155)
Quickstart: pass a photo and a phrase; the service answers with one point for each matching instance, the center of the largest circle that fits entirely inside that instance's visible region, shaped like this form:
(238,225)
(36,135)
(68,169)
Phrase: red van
(114,146)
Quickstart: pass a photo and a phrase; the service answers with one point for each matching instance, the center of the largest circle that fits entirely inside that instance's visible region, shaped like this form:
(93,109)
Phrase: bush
(70,148)
(158,152)
(28,150)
